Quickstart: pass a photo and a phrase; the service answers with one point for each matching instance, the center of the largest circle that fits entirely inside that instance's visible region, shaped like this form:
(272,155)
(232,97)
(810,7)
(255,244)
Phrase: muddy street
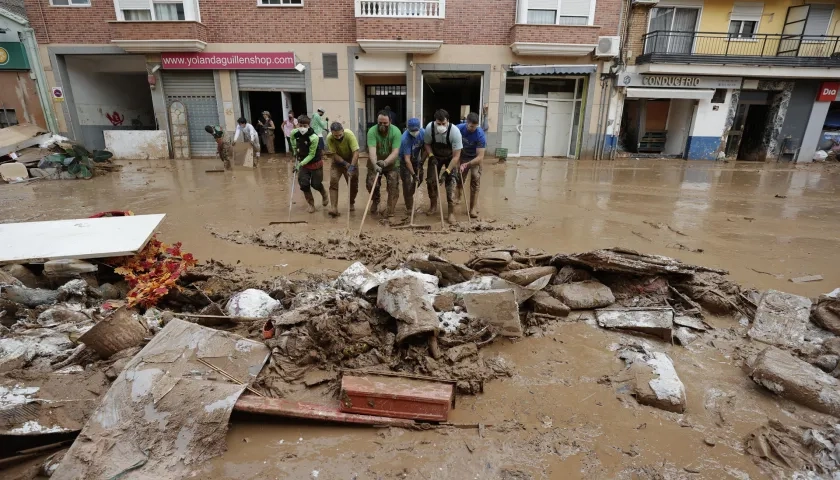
(563,412)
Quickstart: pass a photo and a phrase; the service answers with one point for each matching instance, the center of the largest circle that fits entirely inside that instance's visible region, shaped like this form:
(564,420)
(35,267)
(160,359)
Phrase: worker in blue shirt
(472,154)
(411,151)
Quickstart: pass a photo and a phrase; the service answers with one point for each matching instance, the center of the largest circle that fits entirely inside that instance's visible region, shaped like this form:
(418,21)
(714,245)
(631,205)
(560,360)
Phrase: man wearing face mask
(475,143)
(309,151)
(343,148)
(383,141)
(443,150)
(411,152)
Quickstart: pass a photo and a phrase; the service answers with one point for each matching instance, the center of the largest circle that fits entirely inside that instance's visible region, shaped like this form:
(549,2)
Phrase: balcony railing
(756,49)
(401,8)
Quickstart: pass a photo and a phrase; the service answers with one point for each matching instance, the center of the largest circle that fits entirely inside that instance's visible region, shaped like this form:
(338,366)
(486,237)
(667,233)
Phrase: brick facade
(163,30)
(555,34)
(479,22)
(638,28)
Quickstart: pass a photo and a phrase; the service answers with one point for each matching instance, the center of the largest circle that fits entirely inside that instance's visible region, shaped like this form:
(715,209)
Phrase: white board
(81,238)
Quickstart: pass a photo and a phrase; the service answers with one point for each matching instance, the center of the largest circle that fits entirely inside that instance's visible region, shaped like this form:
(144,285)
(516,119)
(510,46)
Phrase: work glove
(416,179)
(351,169)
(380,163)
(377,168)
(297,167)
(444,174)
(341,163)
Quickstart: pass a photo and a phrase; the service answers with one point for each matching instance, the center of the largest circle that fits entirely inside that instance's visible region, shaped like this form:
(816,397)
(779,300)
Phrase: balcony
(159,36)
(565,40)
(400,26)
(726,49)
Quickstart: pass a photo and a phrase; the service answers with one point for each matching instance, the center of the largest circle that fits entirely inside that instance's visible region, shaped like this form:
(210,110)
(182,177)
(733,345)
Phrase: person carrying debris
(443,150)
(343,147)
(245,133)
(383,141)
(309,150)
(319,124)
(475,143)
(221,146)
(267,131)
(411,152)
(288,126)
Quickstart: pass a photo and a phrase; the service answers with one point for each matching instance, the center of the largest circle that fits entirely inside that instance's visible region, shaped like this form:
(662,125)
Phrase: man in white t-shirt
(443,151)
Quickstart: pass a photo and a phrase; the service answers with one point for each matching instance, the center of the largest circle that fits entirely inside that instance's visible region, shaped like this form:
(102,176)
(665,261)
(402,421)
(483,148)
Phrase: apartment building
(175,66)
(711,79)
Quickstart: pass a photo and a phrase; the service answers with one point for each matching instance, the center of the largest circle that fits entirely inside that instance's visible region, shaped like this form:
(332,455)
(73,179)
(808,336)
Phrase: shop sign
(228,61)
(627,79)
(13,56)
(828,91)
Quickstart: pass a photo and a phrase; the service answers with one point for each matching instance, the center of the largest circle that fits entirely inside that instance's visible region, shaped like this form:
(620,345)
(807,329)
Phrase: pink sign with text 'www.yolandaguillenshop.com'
(228,61)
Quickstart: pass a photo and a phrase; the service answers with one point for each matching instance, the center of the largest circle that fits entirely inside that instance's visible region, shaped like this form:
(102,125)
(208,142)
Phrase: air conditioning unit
(645,2)
(607,47)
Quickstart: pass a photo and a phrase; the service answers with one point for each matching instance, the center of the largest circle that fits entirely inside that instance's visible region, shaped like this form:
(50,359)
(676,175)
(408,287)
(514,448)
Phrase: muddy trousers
(408,187)
(312,179)
(392,177)
(222,149)
(268,140)
(432,182)
(455,181)
(336,174)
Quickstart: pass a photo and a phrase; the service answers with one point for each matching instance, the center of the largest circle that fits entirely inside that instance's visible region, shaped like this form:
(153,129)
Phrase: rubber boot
(474,203)
(325,198)
(374,209)
(432,203)
(333,211)
(310,200)
(352,207)
(451,217)
(459,194)
(392,206)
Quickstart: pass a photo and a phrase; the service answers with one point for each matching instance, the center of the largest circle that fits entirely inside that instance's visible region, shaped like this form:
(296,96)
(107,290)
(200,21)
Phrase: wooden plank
(19,137)
(81,238)
(285,408)
(396,397)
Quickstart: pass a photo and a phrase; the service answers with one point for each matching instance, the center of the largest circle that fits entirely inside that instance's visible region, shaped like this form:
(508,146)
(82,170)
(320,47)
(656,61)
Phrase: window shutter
(542,4)
(819,15)
(576,8)
(747,11)
(135,4)
(330,64)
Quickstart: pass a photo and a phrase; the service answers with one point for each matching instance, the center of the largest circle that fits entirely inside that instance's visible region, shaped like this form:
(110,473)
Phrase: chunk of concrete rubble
(31,297)
(492,260)
(545,304)
(251,303)
(690,322)
(496,307)
(429,282)
(444,302)
(780,319)
(655,380)
(405,299)
(74,288)
(35,344)
(490,282)
(653,321)
(448,272)
(62,313)
(796,380)
(525,276)
(450,321)
(827,314)
(583,295)
(685,336)
(356,278)
(456,354)
(24,276)
(827,363)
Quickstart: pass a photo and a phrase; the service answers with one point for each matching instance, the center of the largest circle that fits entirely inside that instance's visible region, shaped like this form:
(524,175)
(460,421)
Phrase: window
(158,10)
(742,28)
(819,16)
(673,28)
(556,12)
(330,62)
(719,96)
(281,3)
(744,19)
(169,11)
(137,15)
(70,3)
(515,86)
(7,118)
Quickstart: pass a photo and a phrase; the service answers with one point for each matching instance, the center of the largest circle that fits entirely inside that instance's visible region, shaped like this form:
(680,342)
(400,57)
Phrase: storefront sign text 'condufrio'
(677,81)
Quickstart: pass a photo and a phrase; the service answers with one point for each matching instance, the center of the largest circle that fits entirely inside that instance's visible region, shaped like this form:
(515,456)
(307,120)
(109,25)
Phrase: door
(793,30)
(752,146)
(197,92)
(271,80)
(679,122)
(512,127)
(287,104)
(533,129)
(559,128)
(246,105)
(676,28)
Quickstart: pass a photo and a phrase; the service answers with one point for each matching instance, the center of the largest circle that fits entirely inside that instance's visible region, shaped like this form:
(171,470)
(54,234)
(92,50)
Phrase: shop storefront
(19,102)
(822,133)
(675,115)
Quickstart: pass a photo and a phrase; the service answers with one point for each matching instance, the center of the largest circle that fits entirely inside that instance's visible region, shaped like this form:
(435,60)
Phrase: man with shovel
(309,164)
(443,150)
(475,144)
(383,141)
(343,148)
(411,152)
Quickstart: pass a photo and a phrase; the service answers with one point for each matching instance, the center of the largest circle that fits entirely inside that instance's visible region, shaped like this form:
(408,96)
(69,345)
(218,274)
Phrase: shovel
(370,200)
(291,197)
(413,207)
(464,191)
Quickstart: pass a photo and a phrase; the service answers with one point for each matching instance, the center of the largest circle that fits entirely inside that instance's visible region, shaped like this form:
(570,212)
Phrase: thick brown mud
(559,416)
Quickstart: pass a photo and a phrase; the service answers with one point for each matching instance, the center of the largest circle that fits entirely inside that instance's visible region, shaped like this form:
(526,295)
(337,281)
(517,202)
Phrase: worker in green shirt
(319,123)
(383,141)
(343,148)
(309,150)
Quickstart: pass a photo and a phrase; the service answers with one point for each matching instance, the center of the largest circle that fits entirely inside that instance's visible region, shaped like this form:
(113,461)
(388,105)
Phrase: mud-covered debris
(456,354)
(429,282)
(527,275)
(450,321)
(826,314)
(496,307)
(795,379)
(781,319)
(491,282)
(569,274)
(685,336)
(545,304)
(629,261)
(826,363)
(31,297)
(444,302)
(583,295)
(251,303)
(657,322)
(711,290)
(34,348)
(356,278)
(493,260)
(690,322)
(122,329)
(68,268)
(784,452)
(405,298)
(653,379)
(447,272)
(7,279)
(62,314)
(75,289)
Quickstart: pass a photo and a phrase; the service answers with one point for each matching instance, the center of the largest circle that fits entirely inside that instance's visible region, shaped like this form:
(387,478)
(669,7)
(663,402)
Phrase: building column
(811,138)
(707,129)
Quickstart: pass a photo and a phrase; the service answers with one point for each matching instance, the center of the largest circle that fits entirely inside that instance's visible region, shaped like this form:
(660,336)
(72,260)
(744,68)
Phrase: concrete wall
(706,138)
(137,144)
(798,113)
(17,92)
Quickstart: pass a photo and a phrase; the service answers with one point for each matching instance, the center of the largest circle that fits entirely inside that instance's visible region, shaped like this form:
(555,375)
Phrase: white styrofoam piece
(80,238)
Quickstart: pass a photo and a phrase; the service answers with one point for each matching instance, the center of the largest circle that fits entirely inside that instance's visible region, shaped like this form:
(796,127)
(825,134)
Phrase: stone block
(780,319)
(497,308)
(544,303)
(583,295)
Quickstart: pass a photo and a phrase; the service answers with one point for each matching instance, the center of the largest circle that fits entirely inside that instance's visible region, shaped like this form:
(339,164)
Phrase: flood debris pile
(52,157)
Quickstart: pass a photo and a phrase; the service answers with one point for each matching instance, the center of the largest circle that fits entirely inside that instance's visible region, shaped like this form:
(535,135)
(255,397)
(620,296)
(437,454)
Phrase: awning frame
(671,93)
(574,69)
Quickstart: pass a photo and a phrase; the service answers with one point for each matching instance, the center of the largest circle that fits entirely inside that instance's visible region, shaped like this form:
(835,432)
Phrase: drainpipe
(27,36)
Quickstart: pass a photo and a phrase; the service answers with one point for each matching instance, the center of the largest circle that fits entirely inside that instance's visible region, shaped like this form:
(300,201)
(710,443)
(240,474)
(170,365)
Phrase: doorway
(459,93)
(378,97)
(278,105)
(752,141)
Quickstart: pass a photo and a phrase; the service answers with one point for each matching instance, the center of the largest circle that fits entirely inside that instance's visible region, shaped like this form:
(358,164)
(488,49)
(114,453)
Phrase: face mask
(302,130)
(414,134)
(441,129)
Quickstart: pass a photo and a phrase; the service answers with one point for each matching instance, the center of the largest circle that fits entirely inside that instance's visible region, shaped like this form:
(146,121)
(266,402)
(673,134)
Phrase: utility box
(397,397)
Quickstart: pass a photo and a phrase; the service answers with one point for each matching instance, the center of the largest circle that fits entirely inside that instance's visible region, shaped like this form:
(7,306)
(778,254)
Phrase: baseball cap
(413,124)
(321,110)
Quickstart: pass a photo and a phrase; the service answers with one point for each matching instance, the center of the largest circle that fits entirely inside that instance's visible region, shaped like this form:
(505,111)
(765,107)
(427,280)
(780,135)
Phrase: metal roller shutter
(271,80)
(197,91)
